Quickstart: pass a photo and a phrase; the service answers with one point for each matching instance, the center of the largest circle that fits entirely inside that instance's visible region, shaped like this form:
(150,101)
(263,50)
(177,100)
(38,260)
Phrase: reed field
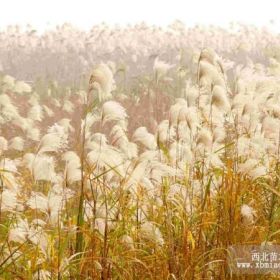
(137,152)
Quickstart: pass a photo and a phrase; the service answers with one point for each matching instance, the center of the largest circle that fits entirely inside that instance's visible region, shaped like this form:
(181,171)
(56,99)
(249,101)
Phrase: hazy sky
(84,13)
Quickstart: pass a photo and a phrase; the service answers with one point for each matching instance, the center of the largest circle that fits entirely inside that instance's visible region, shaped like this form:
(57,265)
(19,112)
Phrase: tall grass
(147,178)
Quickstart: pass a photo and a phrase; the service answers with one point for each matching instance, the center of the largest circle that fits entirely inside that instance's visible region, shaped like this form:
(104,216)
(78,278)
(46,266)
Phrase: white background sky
(43,14)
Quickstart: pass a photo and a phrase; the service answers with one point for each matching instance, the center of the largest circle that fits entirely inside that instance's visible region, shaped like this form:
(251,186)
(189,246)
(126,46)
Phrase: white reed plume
(219,98)
(22,231)
(213,160)
(22,123)
(175,110)
(19,232)
(22,87)
(253,169)
(9,165)
(43,168)
(88,122)
(120,140)
(250,107)
(152,233)
(17,143)
(9,171)
(204,137)
(113,111)
(248,213)
(3,144)
(66,124)
(165,132)
(8,81)
(51,205)
(33,133)
(119,137)
(135,173)
(105,157)
(68,106)
(36,113)
(219,134)
(161,68)
(177,194)
(181,113)
(7,110)
(72,171)
(8,200)
(70,156)
(180,151)
(270,127)
(260,171)
(54,141)
(192,94)
(209,75)
(209,55)
(48,111)
(160,170)
(103,81)
(55,102)
(127,241)
(72,167)
(147,139)
(96,141)
(34,99)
